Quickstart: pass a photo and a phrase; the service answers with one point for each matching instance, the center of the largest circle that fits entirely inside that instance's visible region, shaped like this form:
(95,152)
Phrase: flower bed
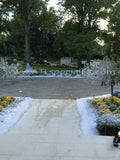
(11,110)
(5,101)
(108,120)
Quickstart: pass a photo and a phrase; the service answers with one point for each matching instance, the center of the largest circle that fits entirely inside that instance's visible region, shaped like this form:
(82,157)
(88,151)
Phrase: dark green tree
(23,9)
(84,18)
(113,34)
(39,31)
(43,29)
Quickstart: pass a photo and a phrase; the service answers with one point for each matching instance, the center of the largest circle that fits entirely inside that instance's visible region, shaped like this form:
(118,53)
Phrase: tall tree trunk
(112,84)
(27,32)
(79,63)
(111,89)
(88,61)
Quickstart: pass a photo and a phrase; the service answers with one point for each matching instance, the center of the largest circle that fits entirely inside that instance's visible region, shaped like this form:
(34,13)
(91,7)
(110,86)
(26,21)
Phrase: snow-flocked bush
(108,124)
(100,71)
(9,71)
(117,93)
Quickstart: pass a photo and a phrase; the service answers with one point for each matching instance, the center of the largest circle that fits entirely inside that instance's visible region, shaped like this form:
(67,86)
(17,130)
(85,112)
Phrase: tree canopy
(32,20)
(113,34)
(35,30)
(82,27)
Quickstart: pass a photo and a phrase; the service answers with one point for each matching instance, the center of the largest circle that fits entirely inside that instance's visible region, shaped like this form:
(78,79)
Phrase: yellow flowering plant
(105,111)
(107,100)
(1,107)
(7,101)
(104,106)
(116,100)
(2,98)
(109,114)
(113,105)
(107,105)
(98,101)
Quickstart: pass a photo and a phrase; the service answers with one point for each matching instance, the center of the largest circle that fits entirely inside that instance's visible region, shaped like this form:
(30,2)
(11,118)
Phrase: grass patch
(40,67)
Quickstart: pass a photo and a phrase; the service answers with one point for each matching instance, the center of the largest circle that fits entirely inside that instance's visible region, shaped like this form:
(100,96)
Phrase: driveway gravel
(52,88)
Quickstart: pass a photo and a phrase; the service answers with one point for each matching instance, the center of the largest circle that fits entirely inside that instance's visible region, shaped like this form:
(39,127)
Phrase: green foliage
(81,44)
(3,47)
(87,12)
(114,31)
(39,67)
(15,38)
(111,37)
(41,28)
(82,29)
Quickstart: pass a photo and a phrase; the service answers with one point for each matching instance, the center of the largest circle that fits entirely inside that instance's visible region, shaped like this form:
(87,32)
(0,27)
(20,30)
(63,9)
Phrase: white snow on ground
(88,115)
(29,69)
(50,76)
(11,114)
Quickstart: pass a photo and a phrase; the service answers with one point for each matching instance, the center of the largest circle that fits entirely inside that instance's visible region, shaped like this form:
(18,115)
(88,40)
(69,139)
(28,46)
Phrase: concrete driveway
(50,130)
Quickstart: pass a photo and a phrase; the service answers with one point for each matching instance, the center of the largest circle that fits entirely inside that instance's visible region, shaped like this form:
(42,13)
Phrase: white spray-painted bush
(9,71)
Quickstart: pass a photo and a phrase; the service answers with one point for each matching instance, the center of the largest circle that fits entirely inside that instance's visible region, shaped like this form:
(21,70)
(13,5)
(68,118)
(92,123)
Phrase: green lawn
(40,67)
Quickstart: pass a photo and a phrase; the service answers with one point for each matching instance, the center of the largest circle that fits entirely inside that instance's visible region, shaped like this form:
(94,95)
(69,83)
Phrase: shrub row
(108,121)
(108,124)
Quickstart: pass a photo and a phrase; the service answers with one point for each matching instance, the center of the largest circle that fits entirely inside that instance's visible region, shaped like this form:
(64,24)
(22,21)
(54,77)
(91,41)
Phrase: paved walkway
(50,130)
